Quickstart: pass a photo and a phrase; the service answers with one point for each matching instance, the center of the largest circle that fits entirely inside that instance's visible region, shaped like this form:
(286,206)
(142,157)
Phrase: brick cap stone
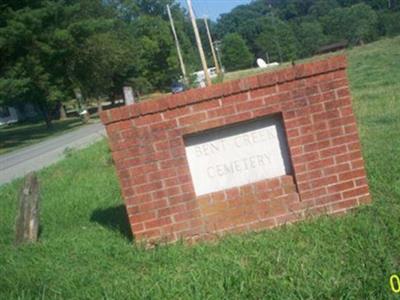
(266,79)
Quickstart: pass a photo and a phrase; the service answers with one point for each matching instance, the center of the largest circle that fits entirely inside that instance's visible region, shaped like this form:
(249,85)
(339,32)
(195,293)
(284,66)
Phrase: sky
(213,8)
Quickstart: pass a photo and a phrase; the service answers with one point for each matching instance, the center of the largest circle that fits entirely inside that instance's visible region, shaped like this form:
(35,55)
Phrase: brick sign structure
(243,155)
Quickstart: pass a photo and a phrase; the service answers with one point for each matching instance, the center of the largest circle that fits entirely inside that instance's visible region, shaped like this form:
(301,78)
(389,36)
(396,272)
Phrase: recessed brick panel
(327,177)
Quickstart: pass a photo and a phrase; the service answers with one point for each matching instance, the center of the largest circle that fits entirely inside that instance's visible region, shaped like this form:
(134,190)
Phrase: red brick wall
(314,100)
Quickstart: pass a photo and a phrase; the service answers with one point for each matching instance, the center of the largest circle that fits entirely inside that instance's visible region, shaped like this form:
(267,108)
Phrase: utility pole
(217,68)
(178,47)
(199,45)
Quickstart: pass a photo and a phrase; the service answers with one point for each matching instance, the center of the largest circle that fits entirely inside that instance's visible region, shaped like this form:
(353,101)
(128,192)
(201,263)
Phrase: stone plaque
(233,156)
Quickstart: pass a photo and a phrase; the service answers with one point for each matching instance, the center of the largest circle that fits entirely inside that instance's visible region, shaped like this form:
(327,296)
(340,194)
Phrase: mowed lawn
(86,252)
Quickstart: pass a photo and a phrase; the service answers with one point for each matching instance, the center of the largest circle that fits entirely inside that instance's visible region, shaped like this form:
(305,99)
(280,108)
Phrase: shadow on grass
(114,218)
(26,133)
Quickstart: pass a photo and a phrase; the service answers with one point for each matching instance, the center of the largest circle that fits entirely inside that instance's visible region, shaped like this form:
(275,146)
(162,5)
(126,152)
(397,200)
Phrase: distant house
(13,114)
(8,115)
(333,47)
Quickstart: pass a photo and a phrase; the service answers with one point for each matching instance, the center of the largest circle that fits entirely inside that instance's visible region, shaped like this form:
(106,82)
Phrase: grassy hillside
(85,250)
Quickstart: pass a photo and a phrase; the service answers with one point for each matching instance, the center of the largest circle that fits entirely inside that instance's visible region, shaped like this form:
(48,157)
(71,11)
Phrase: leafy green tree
(94,41)
(160,63)
(353,20)
(389,23)
(375,4)
(235,54)
(32,65)
(290,9)
(277,38)
(240,16)
(49,48)
(156,63)
(245,20)
(365,20)
(310,37)
(322,7)
(104,64)
(357,24)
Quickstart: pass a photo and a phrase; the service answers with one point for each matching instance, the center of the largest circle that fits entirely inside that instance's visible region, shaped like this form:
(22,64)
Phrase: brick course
(328,174)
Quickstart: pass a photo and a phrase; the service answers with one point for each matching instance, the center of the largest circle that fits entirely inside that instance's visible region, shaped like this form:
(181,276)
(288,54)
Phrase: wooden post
(63,114)
(27,222)
(99,105)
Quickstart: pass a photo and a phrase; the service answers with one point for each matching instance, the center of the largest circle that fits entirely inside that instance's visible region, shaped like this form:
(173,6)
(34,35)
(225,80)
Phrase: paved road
(19,163)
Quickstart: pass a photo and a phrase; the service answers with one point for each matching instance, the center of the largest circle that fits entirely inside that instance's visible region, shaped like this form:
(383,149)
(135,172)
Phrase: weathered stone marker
(27,223)
(128,95)
(243,155)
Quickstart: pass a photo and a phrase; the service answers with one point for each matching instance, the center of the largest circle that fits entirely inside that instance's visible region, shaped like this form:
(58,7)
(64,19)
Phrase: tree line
(284,30)
(49,48)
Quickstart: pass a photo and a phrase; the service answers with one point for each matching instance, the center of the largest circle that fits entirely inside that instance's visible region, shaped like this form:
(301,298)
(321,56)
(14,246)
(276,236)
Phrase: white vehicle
(200,78)
(262,64)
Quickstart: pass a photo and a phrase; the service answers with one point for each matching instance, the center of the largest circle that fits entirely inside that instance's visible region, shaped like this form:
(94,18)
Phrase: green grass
(85,251)
(19,135)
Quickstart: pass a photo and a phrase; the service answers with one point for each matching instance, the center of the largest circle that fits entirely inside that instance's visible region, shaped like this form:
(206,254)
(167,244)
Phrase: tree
(96,45)
(357,24)
(310,37)
(32,65)
(233,21)
(246,20)
(159,59)
(290,28)
(235,54)
(277,39)
(291,9)
(106,60)
(375,4)
(365,21)
(49,48)
(322,7)
(389,23)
